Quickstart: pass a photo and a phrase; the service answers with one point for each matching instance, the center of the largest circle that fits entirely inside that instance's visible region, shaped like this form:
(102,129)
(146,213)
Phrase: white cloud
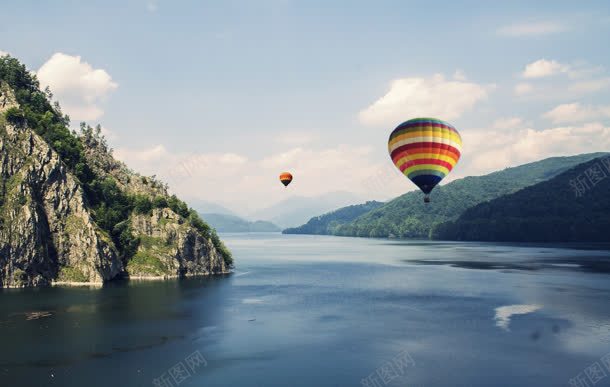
(532,29)
(3,53)
(504,313)
(157,159)
(590,86)
(575,112)
(249,184)
(575,71)
(507,123)
(544,68)
(577,78)
(325,167)
(489,150)
(583,70)
(421,97)
(78,87)
(523,89)
(137,156)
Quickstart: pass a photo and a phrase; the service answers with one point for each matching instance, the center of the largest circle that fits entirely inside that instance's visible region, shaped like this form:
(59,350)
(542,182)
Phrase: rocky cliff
(70,212)
(169,244)
(46,232)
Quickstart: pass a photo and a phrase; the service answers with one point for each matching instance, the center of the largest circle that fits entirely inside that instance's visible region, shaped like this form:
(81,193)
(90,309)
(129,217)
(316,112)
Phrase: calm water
(326,311)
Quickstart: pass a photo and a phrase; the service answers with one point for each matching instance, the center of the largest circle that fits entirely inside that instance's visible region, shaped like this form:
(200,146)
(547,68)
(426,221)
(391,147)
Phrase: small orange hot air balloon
(285,178)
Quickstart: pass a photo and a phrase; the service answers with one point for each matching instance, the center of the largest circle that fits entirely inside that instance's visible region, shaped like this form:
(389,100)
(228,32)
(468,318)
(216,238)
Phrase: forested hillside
(573,206)
(329,222)
(409,217)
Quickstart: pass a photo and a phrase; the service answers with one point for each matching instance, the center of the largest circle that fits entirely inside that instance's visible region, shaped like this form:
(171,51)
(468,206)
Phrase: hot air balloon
(285,178)
(425,150)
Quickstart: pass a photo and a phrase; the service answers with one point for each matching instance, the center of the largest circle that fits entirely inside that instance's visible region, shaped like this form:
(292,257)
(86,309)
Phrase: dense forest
(328,223)
(111,206)
(408,217)
(573,206)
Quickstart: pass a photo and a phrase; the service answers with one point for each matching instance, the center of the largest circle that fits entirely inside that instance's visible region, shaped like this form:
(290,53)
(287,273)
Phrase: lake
(327,311)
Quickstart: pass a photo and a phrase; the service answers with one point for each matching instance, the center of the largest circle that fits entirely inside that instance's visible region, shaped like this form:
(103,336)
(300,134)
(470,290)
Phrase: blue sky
(219,97)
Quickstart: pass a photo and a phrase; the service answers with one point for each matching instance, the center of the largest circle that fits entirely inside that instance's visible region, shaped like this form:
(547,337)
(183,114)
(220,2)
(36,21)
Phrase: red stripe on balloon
(424,147)
(400,155)
(412,163)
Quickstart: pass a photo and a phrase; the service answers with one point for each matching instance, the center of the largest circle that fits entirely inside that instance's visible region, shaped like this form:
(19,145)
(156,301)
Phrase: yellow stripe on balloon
(428,133)
(421,167)
(419,156)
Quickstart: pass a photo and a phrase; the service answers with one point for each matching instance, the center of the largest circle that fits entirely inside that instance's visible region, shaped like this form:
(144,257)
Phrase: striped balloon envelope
(285,178)
(425,150)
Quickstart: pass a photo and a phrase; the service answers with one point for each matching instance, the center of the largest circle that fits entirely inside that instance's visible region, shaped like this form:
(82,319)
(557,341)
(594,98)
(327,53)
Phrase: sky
(218,97)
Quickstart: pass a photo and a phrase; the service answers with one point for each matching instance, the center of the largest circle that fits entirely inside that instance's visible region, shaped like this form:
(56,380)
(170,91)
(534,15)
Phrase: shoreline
(172,276)
(138,278)
(100,284)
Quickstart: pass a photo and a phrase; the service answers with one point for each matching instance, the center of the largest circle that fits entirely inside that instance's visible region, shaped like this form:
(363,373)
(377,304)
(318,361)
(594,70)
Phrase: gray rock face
(48,233)
(170,246)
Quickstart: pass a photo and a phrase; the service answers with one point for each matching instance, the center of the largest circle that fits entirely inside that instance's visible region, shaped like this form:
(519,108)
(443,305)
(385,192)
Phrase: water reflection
(323,311)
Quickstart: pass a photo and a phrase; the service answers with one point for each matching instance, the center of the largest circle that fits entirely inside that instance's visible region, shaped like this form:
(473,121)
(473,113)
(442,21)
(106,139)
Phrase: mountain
(409,217)
(327,224)
(70,212)
(230,223)
(206,207)
(551,211)
(297,210)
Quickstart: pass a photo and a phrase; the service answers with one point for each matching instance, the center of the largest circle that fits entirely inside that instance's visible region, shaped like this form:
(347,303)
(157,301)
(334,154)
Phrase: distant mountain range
(573,206)
(231,223)
(408,217)
(297,210)
(206,207)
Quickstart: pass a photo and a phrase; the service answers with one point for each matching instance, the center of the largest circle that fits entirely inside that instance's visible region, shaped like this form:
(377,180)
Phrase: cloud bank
(424,97)
(576,112)
(80,88)
(544,68)
(489,150)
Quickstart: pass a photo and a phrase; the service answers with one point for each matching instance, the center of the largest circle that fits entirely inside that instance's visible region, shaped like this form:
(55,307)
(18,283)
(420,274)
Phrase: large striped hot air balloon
(285,178)
(425,150)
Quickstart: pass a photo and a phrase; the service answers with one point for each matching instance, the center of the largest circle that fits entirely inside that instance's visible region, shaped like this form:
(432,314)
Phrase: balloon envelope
(425,150)
(285,178)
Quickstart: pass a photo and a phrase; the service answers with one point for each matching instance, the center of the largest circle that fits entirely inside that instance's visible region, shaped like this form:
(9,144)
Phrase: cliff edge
(71,213)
